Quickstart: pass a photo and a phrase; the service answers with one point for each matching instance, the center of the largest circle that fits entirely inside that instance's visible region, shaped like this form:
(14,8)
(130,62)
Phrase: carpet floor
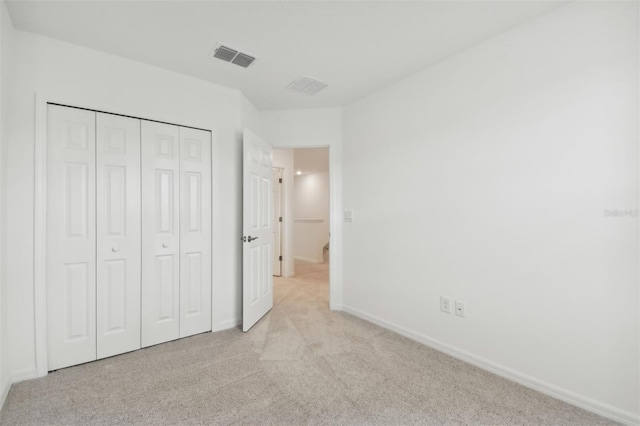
(301,364)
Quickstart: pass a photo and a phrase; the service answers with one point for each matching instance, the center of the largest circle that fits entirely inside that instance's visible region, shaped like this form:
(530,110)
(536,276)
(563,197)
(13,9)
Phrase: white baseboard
(18,376)
(5,391)
(226,325)
(554,391)
(22,375)
(304,259)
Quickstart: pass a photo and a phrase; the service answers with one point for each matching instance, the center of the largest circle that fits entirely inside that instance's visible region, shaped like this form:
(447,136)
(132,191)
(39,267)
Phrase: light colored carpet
(301,364)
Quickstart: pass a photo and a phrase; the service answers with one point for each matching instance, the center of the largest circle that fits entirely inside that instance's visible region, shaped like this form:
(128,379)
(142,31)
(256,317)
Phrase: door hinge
(280,219)
(280,258)
(280,180)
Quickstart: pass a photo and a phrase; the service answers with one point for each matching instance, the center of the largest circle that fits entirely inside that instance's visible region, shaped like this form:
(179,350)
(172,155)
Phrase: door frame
(40,213)
(335,217)
(281,226)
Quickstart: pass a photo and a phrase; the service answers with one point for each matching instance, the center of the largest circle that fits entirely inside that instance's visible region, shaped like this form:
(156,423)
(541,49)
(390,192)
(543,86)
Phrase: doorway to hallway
(301,213)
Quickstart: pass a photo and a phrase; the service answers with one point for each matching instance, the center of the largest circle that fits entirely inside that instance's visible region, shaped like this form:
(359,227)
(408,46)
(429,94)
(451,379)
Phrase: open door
(257,279)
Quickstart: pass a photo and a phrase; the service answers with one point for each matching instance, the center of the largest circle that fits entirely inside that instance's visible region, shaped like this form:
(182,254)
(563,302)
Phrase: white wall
(486,178)
(310,128)
(251,117)
(311,216)
(70,74)
(303,127)
(6,35)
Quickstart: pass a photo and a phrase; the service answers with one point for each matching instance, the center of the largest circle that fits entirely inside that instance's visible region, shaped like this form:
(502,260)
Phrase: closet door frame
(41,101)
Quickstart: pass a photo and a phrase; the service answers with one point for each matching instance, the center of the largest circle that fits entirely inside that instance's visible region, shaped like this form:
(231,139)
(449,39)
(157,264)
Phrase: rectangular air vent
(225,53)
(243,60)
(229,54)
(307,85)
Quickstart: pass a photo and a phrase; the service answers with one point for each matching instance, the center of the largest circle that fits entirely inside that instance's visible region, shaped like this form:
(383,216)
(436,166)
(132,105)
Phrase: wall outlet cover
(461,307)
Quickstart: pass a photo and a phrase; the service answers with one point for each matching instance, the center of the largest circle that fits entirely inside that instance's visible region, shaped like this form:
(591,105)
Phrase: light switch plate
(348,216)
(445,304)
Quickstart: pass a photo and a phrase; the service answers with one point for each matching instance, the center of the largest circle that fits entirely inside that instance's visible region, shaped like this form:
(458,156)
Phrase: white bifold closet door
(118,234)
(71,236)
(195,231)
(160,233)
(176,232)
(128,234)
(93,235)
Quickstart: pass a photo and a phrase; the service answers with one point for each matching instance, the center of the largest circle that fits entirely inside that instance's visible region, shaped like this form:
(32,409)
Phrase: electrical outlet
(445,304)
(461,307)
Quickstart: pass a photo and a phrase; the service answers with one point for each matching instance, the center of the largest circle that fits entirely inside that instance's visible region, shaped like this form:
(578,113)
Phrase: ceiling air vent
(228,54)
(243,60)
(307,85)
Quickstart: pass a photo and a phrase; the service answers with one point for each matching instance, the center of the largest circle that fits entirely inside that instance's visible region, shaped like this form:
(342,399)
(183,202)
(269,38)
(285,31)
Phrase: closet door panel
(118,234)
(71,236)
(160,233)
(195,231)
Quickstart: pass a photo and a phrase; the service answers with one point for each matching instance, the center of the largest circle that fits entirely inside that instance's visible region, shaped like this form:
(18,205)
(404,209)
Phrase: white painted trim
(288,178)
(5,386)
(554,391)
(228,324)
(304,259)
(279,235)
(40,218)
(335,226)
(638,177)
(40,236)
(215,196)
(22,375)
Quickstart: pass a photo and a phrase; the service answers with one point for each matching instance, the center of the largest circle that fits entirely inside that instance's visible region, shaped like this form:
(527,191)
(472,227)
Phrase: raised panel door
(160,232)
(71,236)
(118,234)
(195,231)
(257,278)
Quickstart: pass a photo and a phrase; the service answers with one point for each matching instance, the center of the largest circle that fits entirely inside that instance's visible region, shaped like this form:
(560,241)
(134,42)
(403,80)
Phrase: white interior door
(160,233)
(195,231)
(118,234)
(257,279)
(276,184)
(71,236)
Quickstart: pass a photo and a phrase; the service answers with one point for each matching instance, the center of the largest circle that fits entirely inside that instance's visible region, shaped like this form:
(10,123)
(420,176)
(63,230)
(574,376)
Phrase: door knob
(251,238)
(165,245)
(115,249)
